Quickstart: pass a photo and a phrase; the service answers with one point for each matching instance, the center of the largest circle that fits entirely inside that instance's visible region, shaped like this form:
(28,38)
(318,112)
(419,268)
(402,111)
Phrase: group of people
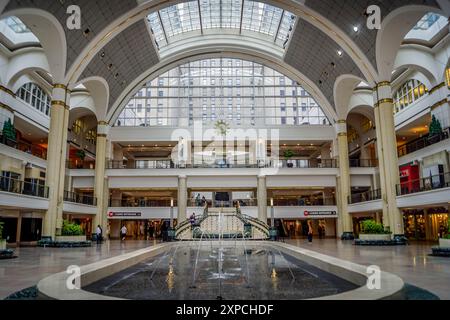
(200,202)
(145,230)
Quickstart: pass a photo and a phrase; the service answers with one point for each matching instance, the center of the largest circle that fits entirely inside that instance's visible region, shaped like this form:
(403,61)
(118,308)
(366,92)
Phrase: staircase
(223,223)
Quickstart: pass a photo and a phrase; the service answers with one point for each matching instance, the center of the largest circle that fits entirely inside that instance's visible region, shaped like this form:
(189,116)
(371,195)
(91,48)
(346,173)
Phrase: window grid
(408,93)
(251,99)
(35,96)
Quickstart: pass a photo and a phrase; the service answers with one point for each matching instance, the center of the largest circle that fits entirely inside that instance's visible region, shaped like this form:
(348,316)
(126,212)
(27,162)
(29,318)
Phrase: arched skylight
(242,17)
(239,92)
(15,31)
(427,27)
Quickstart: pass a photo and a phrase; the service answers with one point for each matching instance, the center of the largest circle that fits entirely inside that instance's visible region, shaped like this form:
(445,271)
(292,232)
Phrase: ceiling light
(355,28)
(339,53)
(156,145)
(142,145)
(298,144)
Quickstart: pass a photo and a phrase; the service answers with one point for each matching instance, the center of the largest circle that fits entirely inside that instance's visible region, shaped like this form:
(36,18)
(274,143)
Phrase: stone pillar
(100,180)
(19,229)
(262,199)
(389,165)
(182,199)
(344,181)
(57,142)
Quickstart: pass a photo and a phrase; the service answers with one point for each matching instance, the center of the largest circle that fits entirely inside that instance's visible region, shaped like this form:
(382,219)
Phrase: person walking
(151,231)
(310,232)
(123,232)
(99,232)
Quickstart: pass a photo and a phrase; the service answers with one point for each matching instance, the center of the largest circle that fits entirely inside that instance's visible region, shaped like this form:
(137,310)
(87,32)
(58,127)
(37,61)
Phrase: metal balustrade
(363,163)
(32,149)
(23,187)
(79,198)
(422,142)
(141,203)
(434,182)
(365,196)
(168,164)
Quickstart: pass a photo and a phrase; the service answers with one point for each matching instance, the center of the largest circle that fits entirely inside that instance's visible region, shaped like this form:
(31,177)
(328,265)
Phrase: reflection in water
(222,270)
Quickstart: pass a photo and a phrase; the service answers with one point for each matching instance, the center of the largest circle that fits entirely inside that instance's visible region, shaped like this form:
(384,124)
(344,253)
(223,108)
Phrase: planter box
(2,245)
(375,237)
(444,243)
(70,238)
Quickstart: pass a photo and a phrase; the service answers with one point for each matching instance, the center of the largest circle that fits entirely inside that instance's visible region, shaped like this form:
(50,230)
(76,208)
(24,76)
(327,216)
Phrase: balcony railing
(23,187)
(168,164)
(32,149)
(80,164)
(363,163)
(303,201)
(424,184)
(141,203)
(422,142)
(365,196)
(79,198)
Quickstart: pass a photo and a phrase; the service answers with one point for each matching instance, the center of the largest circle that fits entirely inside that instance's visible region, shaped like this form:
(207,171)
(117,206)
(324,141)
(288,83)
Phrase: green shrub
(1,230)
(288,154)
(373,227)
(447,236)
(71,229)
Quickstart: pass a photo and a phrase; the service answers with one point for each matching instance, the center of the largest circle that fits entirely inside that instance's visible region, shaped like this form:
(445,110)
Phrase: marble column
(389,166)
(262,198)
(57,141)
(182,199)
(344,216)
(100,182)
(381,167)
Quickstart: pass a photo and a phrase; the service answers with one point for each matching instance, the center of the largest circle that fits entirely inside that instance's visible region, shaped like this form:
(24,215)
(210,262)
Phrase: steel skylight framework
(193,18)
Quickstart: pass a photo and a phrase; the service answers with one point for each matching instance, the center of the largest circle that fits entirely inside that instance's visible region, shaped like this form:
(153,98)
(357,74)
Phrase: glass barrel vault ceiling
(192,18)
(241,93)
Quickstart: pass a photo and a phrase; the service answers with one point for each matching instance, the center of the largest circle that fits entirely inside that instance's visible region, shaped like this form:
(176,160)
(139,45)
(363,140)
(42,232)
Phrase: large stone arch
(166,65)
(415,57)
(99,91)
(51,37)
(393,30)
(145,7)
(343,90)
(25,63)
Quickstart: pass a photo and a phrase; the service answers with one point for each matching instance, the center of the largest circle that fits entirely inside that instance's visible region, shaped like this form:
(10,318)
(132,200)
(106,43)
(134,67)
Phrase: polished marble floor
(412,263)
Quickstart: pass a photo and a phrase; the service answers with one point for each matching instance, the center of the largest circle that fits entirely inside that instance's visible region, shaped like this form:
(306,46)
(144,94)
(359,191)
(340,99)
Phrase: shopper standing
(123,233)
(310,231)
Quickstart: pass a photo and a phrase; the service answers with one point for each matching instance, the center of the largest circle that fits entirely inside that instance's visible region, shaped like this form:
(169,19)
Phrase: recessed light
(284,144)
(355,28)
(156,145)
(339,53)
(142,145)
(298,144)
(312,144)
(129,145)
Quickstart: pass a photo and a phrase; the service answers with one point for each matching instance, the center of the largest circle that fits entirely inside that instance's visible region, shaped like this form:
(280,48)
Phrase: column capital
(182,176)
(59,103)
(341,127)
(102,129)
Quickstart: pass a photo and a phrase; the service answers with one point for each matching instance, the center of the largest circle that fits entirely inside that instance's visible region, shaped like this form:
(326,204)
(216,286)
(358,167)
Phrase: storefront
(21,228)
(298,228)
(137,229)
(425,224)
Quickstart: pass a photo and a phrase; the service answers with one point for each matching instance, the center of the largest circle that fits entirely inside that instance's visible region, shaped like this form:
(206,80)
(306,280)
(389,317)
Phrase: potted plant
(71,232)
(435,130)
(287,155)
(2,241)
(9,133)
(444,242)
(372,230)
(81,154)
